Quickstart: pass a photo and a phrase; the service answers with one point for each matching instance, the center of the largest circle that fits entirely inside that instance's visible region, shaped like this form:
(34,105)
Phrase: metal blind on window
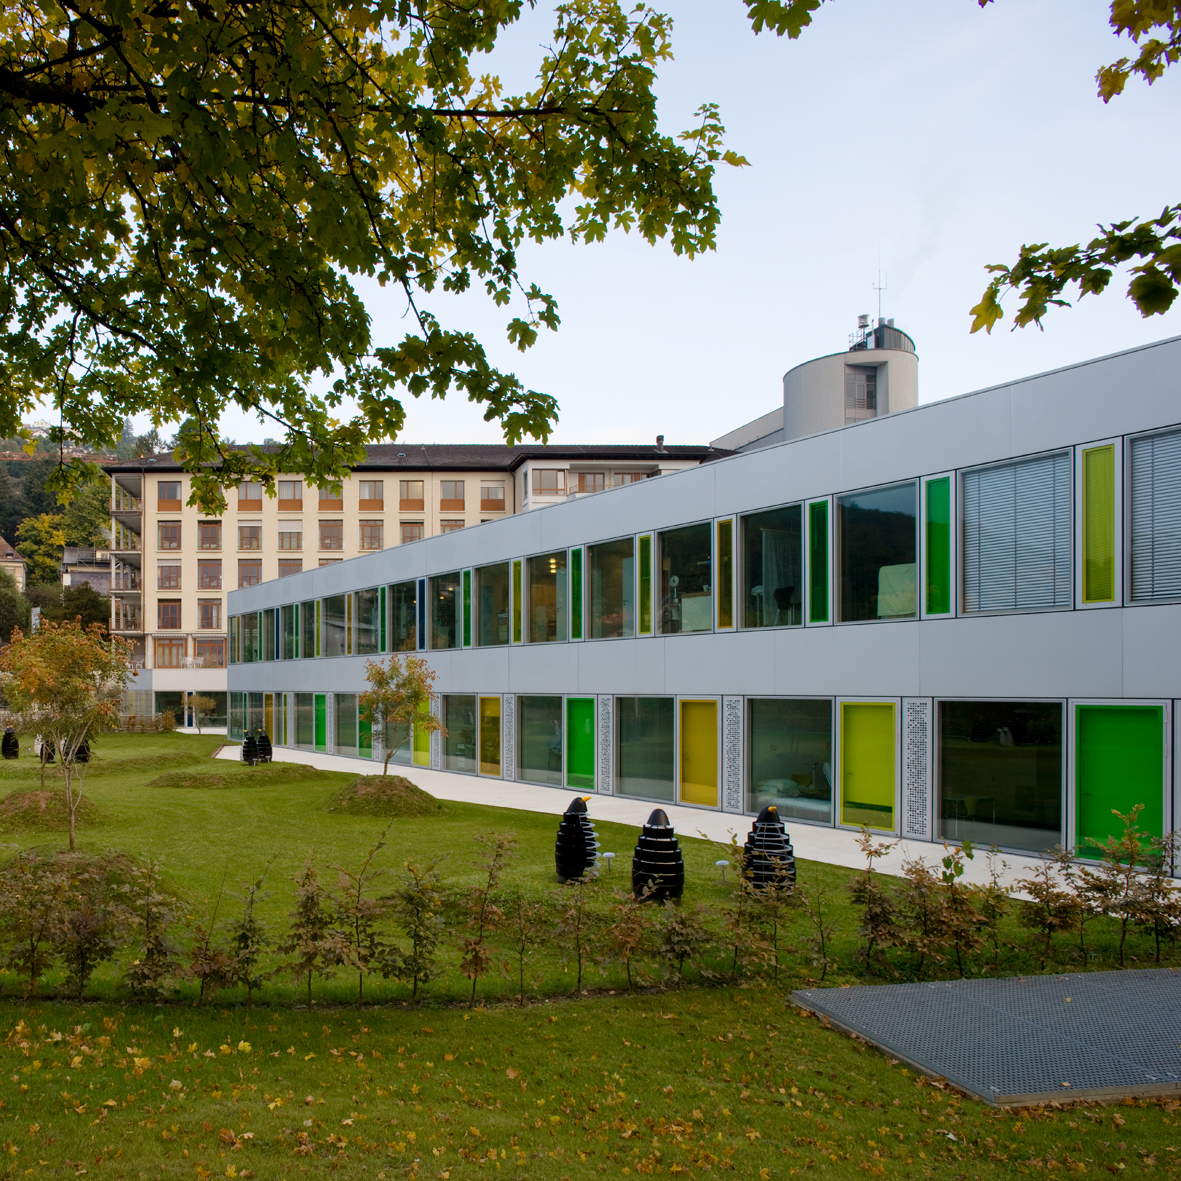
(1017,535)
(1156,516)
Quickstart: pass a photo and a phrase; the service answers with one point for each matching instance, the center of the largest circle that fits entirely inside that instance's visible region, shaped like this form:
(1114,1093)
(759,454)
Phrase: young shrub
(628,934)
(1050,907)
(248,940)
(524,920)
(315,948)
(771,902)
(682,934)
(151,911)
(484,916)
(576,926)
(36,907)
(359,916)
(417,908)
(877,904)
(1159,909)
(1117,885)
(963,919)
(399,697)
(204,707)
(994,902)
(815,900)
(210,963)
(921,916)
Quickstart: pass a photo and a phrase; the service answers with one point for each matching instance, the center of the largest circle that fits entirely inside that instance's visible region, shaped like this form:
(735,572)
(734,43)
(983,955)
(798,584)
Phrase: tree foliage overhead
(1042,273)
(189,192)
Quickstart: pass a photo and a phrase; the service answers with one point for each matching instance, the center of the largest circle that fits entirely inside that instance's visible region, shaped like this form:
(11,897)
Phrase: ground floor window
(305,735)
(646,751)
(539,740)
(459,738)
(397,739)
(346,724)
(868,763)
(789,757)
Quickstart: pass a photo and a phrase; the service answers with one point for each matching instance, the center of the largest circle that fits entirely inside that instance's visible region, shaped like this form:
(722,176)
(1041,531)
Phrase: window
(372,496)
(250,536)
(1000,773)
(209,535)
(539,740)
(249,496)
(288,629)
(410,531)
(580,742)
(330,561)
(168,535)
(211,652)
(450,526)
(1119,763)
(335,625)
(289,566)
(491,496)
(209,612)
(249,571)
(789,758)
(410,498)
(868,784)
(861,392)
(250,636)
(443,591)
(1098,523)
(307,630)
(168,578)
(404,616)
(305,734)
(168,496)
(171,653)
(611,589)
(290,496)
(209,574)
(168,614)
(459,740)
(331,499)
(686,578)
(290,536)
(492,600)
(368,622)
(549,481)
(1156,516)
(372,534)
(877,547)
(547,598)
(332,535)
(622,478)
(1017,544)
(346,723)
(773,569)
(451,496)
(588,481)
(647,751)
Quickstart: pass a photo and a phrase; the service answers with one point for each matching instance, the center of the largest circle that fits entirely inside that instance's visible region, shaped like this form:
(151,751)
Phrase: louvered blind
(1017,535)
(1156,516)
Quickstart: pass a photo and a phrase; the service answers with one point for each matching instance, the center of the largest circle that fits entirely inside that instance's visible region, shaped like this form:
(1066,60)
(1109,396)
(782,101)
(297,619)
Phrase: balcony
(126,580)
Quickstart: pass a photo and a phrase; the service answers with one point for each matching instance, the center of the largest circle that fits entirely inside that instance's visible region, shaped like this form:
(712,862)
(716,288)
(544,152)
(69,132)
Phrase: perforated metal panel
(606,745)
(916,768)
(732,754)
(1029,1039)
(508,736)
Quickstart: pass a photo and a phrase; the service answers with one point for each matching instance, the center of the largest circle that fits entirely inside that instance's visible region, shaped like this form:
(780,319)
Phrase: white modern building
(959,620)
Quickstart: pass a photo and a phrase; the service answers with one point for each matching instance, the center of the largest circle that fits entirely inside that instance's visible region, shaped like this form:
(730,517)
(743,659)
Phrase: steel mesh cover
(1025,1039)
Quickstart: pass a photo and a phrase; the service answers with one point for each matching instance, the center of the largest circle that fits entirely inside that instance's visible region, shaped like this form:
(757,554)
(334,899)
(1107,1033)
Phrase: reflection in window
(547,598)
(492,604)
(334,625)
(878,543)
(1000,773)
(789,748)
(305,734)
(404,616)
(288,619)
(249,633)
(459,737)
(443,590)
(346,723)
(645,728)
(397,739)
(539,736)
(307,628)
(368,621)
(773,578)
(686,578)
(612,593)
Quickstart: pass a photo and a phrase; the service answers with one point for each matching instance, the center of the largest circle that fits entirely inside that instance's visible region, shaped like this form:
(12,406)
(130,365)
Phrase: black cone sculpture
(576,846)
(10,745)
(768,856)
(82,754)
(657,865)
(249,749)
(265,749)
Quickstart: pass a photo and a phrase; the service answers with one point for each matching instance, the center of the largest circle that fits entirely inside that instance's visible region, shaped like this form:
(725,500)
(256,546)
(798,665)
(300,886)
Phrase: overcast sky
(926,138)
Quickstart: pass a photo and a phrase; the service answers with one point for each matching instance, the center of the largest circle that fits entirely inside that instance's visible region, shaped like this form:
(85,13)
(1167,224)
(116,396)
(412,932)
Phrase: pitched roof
(8,553)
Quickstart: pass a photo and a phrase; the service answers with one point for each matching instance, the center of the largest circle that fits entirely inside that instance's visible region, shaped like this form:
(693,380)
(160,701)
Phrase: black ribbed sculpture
(249,749)
(265,750)
(658,869)
(576,847)
(10,744)
(82,754)
(768,857)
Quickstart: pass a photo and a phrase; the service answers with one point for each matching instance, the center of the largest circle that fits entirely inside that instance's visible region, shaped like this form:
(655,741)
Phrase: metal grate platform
(1024,1040)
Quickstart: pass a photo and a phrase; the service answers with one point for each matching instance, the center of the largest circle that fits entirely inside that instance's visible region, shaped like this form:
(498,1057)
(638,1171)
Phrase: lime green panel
(867,764)
(422,746)
(321,720)
(938,546)
(646,585)
(580,742)
(1119,763)
(1099,525)
(576,594)
(489,735)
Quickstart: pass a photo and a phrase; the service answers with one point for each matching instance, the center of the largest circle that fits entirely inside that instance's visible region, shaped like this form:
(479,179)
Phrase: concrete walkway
(831,845)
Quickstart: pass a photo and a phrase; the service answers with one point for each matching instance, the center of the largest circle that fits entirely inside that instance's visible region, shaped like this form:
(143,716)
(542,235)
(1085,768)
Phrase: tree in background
(81,602)
(86,520)
(41,540)
(203,707)
(14,607)
(65,682)
(399,696)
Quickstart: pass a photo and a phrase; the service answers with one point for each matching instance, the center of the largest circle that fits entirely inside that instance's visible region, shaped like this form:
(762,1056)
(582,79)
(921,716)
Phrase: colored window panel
(364,738)
(789,757)
(547,598)
(818,562)
(489,735)
(699,753)
(459,736)
(725,547)
(1099,525)
(686,577)
(318,632)
(492,603)
(645,628)
(576,594)
(422,746)
(321,722)
(867,764)
(467,608)
(580,742)
(878,553)
(773,567)
(1119,763)
(645,733)
(938,558)
(539,739)
(517,602)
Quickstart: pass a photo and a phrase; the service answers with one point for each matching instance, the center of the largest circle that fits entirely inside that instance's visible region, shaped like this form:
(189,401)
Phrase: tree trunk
(71,805)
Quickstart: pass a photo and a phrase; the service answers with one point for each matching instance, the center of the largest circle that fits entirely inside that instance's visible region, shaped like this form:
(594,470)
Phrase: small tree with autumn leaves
(66,682)
(399,696)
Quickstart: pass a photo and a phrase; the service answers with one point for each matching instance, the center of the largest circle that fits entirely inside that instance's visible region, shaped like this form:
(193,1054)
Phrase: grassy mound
(33,809)
(235,775)
(386,795)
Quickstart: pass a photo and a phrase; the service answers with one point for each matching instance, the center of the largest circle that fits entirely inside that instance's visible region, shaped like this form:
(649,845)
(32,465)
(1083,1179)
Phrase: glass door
(698,750)
(868,768)
(580,742)
(489,735)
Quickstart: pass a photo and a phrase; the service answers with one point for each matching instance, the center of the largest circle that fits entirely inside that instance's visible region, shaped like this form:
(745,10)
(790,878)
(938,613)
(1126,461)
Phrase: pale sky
(924,138)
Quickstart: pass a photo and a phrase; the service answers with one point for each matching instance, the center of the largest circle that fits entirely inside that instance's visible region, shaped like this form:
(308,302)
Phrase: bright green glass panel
(725,574)
(321,722)
(818,562)
(364,738)
(580,742)
(576,594)
(1099,525)
(517,602)
(1119,763)
(467,608)
(646,585)
(938,526)
(867,764)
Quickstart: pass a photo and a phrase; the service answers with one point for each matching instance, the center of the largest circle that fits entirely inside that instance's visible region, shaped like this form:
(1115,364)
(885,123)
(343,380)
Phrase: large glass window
(404,616)
(686,579)
(612,590)
(492,601)
(539,740)
(268,634)
(307,630)
(305,733)
(789,758)
(335,625)
(368,621)
(443,592)
(1000,773)
(249,625)
(877,553)
(1156,516)
(289,619)
(547,598)
(397,739)
(346,723)
(459,739)
(647,747)
(773,567)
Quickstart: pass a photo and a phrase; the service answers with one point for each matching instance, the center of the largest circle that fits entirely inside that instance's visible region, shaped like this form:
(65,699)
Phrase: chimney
(659,442)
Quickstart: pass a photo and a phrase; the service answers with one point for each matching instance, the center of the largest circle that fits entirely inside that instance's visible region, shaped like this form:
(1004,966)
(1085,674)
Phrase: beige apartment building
(172,565)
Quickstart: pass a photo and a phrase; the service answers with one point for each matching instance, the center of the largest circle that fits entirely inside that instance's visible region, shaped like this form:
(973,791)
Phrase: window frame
(561,484)
(160,546)
(203,565)
(1120,492)
(836,605)
(207,604)
(379,525)
(174,610)
(244,528)
(168,586)
(338,525)
(202,526)
(245,562)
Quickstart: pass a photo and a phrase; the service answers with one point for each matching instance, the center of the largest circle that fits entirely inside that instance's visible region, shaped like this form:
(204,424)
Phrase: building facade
(958,621)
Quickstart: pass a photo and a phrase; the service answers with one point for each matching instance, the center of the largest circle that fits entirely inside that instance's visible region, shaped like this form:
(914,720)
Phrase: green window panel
(517,601)
(580,742)
(646,585)
(318,627)
(295,639)
(1099,525)
(321,720)
(576,594)
(818,562)
(1119,762)
(725,548)
(938,556)
(364,738)
(867,764)
(467,608)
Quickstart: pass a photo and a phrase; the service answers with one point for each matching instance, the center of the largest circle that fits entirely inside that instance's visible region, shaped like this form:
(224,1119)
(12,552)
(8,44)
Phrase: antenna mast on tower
(879,287)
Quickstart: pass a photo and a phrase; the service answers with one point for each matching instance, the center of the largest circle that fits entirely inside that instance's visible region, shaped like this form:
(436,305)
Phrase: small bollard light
(722,866)
(608,858)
